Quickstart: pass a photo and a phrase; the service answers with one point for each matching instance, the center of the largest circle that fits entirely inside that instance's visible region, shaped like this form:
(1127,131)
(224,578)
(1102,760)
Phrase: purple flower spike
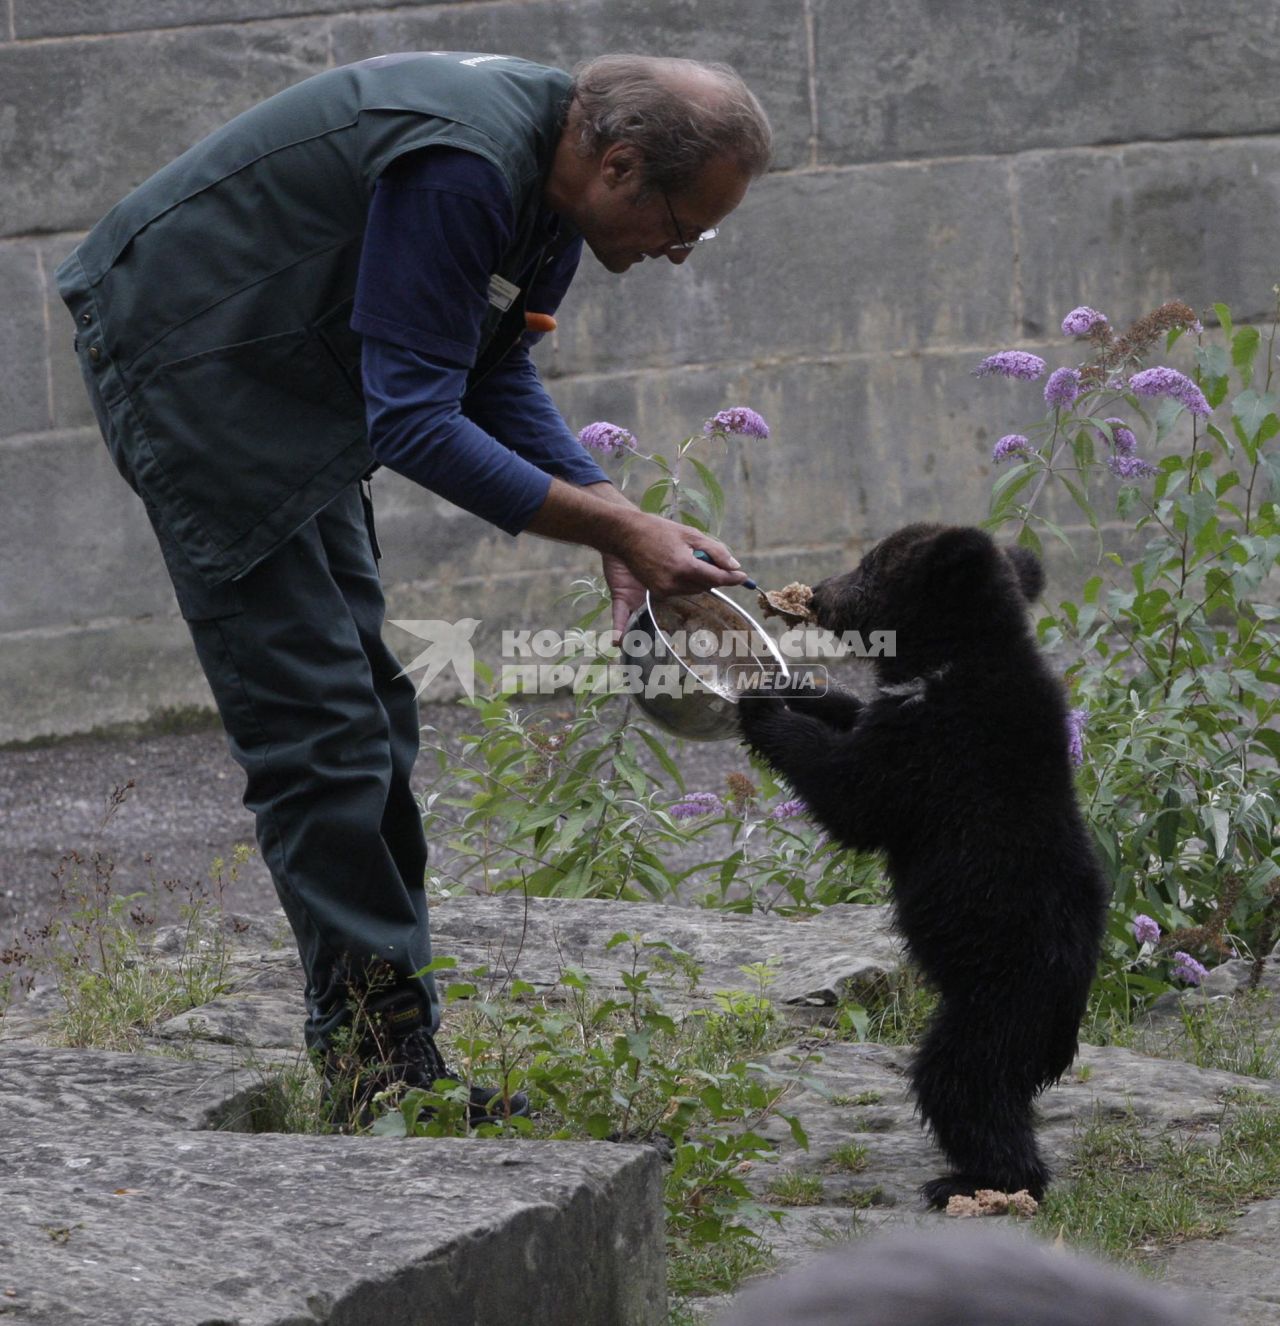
(1012,444)
(1011,364)
(1063,387)
(788,810)
(1145,930)
(1130,467)
(1081,321)
(1121,437)
(1076,719)
(608,438)
(1186,968)
(695,804)
(739,420)
(1169,382)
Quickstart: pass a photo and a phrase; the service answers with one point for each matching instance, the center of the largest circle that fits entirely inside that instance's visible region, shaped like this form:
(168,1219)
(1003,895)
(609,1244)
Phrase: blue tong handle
(704,556)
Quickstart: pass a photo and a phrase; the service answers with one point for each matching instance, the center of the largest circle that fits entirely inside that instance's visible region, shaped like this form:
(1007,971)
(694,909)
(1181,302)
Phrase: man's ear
(620,165)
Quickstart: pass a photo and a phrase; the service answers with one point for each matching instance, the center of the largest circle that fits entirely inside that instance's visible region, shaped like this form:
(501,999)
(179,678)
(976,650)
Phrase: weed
(850,1156)
(1128,1194)
(113,986)
(792,1188)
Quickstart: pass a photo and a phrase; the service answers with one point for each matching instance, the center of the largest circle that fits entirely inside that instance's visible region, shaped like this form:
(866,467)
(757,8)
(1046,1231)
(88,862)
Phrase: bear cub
(959,771)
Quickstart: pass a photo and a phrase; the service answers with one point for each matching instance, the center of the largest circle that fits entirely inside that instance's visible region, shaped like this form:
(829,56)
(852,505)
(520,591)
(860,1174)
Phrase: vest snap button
(95,353)
(86,318)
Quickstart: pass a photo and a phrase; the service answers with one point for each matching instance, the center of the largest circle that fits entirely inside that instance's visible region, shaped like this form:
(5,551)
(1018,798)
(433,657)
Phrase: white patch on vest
(502,294)
(482,59)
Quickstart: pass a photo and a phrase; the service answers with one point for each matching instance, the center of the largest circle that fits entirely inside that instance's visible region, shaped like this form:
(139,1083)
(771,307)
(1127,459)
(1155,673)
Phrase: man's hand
(640,551)
(627,593)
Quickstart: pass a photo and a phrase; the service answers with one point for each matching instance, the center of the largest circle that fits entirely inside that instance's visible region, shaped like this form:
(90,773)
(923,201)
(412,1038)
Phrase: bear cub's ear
(1026,566)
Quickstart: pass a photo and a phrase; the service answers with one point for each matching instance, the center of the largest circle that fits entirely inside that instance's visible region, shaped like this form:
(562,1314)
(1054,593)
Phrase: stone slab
(131,1225)
(24,387)
(765,42)
(108,563)
(842,953)
(1239,1274)
(98,116)
(1125,229)
(61,18)
(1002,76)
(69,401)
(869,260)
(1163,1096)
(95,674)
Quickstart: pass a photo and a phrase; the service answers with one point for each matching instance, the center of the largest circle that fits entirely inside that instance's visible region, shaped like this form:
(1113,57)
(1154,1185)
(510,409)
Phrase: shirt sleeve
(439,223)
(417,428)
(512,403)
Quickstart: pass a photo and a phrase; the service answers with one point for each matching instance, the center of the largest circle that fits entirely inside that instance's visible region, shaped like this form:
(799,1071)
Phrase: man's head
(655,152)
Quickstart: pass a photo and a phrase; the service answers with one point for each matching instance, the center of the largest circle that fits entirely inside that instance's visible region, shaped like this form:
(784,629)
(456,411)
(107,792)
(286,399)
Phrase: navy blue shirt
(439,222)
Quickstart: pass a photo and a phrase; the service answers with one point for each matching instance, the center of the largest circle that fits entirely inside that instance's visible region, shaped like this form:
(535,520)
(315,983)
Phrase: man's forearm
(593,515)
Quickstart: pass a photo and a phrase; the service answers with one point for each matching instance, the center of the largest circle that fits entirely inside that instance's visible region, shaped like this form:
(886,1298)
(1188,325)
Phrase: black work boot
(395,1047)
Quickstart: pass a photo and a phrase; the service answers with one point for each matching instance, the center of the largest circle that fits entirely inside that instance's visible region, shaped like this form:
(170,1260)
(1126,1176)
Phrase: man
(336,279)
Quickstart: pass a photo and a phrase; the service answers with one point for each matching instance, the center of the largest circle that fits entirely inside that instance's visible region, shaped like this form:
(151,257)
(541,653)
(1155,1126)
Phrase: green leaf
(715,493)
(1166,417)
(1244,348)
(1224,317)
(1269,739)
(1250,410)
(660,754)
(729,869)
(1219,824)
(1081,501)
(1212,361)
(654,498)
(1167,824)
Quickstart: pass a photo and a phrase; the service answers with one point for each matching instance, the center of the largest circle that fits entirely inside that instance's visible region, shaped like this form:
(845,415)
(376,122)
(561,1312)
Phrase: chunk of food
(792,602)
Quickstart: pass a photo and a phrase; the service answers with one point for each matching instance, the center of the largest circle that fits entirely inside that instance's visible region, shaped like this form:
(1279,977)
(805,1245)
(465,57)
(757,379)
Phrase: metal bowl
(694,653)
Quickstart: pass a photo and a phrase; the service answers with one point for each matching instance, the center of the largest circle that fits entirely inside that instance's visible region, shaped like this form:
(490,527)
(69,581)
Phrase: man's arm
(640,551)
(435,234)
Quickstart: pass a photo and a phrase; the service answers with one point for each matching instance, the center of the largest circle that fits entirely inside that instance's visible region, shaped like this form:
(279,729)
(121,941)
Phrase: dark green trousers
(325,731)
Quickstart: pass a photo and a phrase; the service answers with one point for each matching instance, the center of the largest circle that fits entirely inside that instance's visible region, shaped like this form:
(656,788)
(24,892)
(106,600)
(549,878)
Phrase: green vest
(214,301)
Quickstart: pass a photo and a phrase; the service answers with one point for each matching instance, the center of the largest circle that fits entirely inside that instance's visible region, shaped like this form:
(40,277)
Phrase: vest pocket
(239,430)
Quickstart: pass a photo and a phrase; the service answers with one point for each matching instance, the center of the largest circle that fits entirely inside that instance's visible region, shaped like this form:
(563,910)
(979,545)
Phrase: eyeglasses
(684,245)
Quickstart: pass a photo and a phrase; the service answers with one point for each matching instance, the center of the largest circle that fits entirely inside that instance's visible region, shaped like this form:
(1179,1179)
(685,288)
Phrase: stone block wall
(950,179)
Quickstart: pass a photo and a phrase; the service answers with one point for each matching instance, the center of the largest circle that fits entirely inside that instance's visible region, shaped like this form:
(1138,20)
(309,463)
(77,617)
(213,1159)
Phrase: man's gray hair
(978,1277)
(678,114)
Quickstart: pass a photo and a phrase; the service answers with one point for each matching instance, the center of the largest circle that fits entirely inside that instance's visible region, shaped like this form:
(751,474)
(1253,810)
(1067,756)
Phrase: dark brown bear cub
(960,773)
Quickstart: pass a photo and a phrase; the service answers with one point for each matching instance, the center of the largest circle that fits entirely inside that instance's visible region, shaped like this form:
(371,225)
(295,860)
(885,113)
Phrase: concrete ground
(183,810)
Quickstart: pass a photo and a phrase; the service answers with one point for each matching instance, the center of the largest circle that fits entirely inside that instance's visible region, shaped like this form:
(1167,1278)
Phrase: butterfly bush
(1186,968)
(1012,444)
(1169,382)
(1063,387)
(695,804)
(1076,719)
(1081,321)
(789,810)
(1169,645)
(1011,364)
(739,420)
(607,438)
